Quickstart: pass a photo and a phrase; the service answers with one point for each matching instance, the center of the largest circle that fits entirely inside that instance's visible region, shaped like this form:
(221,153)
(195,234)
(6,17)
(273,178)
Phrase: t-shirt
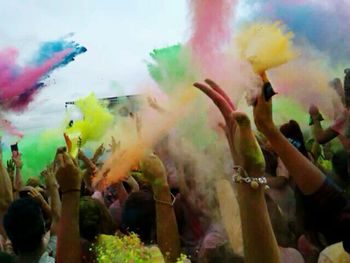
(334,254)
(290,255)
(328,212)
(45,258)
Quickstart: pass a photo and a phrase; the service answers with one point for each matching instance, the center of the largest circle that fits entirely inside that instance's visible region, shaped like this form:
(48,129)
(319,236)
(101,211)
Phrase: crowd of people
(293,199)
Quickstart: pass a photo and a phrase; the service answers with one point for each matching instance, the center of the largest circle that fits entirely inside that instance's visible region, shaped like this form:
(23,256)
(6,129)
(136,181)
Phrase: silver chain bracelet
(240,176)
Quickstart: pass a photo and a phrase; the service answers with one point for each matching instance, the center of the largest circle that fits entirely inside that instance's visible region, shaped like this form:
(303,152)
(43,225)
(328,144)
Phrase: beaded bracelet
(166,203)
(240,176)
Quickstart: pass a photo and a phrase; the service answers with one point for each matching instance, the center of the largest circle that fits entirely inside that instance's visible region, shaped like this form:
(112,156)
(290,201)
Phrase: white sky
(118,35)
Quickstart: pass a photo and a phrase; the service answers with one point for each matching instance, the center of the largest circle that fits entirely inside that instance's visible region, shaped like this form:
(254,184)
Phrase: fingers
(219,101)
(60,160)
(67,159)
(220,91)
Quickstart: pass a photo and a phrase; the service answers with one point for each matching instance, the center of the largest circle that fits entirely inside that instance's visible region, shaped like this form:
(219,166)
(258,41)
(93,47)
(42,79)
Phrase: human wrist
(160,188)
(269,130)
(52,186)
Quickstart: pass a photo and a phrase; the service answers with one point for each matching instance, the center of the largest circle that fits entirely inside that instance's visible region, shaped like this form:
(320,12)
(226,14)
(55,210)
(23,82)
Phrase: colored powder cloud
(265,45)
(37,151)
(171,66)
(325,24)
(210,25)
(96,121)
(19,84)
(9,128)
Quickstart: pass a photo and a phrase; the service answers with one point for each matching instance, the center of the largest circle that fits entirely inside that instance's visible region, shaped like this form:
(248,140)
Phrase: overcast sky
(118,35)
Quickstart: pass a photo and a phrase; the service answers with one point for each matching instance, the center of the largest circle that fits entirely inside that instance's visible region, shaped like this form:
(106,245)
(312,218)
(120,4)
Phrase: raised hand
(10,164)
(49,176)
(67,173)
(154,171)
(98,153)
(263,113)
(114,146)
(153,103)
(314,111)
(36,195)
(243,145)
(17,159)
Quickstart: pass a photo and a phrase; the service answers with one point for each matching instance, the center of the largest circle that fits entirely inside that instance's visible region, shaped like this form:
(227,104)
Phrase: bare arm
(18,182)
(122,193)
(307,176)
(98,153)
(256,225)
(259,241)
(168,238)
(322,136)
(6,194)
(55,201)
(132,183)
(68,243)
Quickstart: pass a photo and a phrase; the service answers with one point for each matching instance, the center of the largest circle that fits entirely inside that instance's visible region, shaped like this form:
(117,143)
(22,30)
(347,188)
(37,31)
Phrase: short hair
(7,258)
(139,215)
(24,225)
(340,164)
(94,219)
(292,131)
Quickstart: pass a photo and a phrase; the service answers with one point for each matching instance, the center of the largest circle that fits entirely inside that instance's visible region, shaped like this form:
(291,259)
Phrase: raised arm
(307,176)
(18,181)
(55,201)
(98,153)
(6,193)
(260,244)
(168,238)
(322,136)
(69,179)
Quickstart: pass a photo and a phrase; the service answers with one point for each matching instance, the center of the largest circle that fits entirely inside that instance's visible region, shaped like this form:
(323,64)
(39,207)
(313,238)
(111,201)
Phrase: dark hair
(24,225)
(291,130)
(94,219)
(7,258)
(340,164)
(139,215)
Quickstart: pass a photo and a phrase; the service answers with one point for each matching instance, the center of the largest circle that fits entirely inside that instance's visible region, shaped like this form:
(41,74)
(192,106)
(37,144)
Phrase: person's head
(340,164)
(110,195)
(291,130)
(139,215)
(7,258)
(25,225)
(94,219)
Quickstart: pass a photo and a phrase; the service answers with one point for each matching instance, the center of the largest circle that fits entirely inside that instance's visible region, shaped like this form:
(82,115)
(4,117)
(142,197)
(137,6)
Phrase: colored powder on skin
(20,84)
(96,121)
(324,24)
(266,45)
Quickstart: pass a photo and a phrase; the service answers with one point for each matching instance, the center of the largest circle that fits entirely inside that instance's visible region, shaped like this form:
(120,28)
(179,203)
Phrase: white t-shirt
(334,254)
